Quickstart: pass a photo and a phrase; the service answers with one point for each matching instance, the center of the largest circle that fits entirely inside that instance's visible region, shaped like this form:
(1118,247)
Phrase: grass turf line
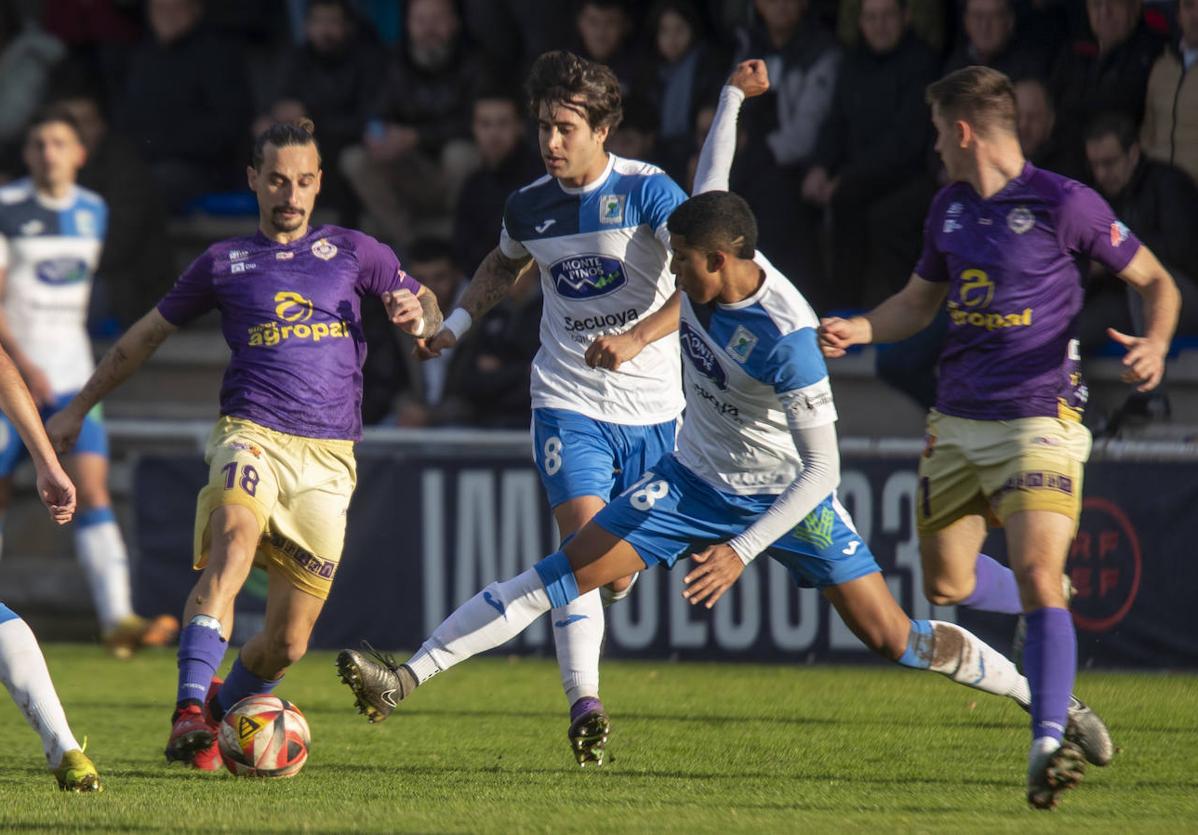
(696,748)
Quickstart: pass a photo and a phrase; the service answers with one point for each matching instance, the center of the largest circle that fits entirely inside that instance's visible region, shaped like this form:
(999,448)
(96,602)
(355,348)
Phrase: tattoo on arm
(432,312)
(123,358)
(491,282)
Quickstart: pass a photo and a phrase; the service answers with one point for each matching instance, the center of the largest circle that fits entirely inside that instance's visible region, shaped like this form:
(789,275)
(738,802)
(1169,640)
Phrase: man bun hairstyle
(562,78)
(981,96)
(301,131)
(716,221)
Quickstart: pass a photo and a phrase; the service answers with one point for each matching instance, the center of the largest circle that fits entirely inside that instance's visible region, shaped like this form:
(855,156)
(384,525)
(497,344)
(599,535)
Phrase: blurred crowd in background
(424,132)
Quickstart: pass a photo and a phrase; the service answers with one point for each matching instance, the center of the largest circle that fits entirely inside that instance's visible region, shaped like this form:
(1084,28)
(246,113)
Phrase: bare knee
(285,646)
(1040,585)
(945,591)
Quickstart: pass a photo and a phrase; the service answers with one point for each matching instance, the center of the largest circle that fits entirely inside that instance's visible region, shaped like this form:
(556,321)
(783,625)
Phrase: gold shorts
(298,489)
(994,468)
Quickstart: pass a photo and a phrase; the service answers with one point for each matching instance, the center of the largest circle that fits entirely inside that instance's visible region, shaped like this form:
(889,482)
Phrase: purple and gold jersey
(290,314)
(1014,263)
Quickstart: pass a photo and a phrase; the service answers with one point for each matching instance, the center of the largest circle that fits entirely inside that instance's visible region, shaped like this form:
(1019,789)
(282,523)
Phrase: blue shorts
(671,513)
(92,437)
(580,456)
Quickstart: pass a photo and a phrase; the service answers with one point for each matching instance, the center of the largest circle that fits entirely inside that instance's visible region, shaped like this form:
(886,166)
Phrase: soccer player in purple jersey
(281,458)
(1005,444)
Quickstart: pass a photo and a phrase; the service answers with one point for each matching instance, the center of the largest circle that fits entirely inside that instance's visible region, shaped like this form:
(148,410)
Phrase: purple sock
(996,590)
(239,684)
(201,649)
(1050,663)
(585,705)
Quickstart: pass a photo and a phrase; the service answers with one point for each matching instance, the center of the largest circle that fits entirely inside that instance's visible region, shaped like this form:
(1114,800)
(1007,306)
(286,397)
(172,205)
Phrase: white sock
(101,552)
(1042,746)
(577,635)
(23,671)
(963,657)
(496,614)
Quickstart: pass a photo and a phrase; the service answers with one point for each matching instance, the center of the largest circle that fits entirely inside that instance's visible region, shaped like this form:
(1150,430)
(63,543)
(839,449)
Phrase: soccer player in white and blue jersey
(755,471)
(51,234)
(605,384)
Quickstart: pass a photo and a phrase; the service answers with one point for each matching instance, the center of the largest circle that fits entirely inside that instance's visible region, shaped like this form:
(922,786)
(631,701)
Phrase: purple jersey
(290,313)
(1014,263)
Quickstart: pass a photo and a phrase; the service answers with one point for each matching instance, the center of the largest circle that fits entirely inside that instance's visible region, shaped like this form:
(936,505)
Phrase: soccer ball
(264,736)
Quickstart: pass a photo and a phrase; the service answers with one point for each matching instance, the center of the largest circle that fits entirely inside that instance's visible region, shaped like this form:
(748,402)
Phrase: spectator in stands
(1159,203)
(396,386)
(415,152)
(514,32)
(604,30)
(1106,74)
(1037,119)
(27,56)
(990,40)
(681,72)
(136,264)
(332,77)
(508,162)
(873,146)
(928,20)
(496,358)
(1170,132)
(636,135)
(186,104)
(802,59)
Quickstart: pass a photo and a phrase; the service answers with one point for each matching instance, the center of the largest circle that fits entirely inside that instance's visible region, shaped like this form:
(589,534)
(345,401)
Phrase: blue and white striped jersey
(752,373)
(49,249)
(603,253)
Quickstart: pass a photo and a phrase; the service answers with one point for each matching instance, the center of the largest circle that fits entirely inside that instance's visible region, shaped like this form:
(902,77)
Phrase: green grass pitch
(696,747)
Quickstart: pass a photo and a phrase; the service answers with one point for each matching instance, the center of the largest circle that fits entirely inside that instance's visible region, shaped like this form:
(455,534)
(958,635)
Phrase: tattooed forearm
(431,311)
(134,347)
(492,281)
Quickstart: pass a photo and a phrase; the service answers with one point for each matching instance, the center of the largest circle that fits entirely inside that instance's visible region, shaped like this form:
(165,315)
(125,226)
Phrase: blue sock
(201,649)
(996,590)
(238,684)
(558,578)
(918,654)
(1050,664)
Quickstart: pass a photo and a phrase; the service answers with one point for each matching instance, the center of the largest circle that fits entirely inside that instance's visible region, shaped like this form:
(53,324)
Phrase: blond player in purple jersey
(281,457)
(1004,248)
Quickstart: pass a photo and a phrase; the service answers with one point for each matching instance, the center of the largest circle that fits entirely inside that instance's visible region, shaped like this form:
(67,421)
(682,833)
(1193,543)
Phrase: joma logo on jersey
(61,271)
(701,356)
(292,307)
(587,276)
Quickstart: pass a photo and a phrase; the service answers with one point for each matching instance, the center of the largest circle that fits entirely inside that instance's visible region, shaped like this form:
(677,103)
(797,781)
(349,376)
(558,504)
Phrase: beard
(287,224)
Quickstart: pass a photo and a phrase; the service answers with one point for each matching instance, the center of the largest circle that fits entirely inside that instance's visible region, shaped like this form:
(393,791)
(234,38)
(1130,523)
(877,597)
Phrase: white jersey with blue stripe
(49,250)
(603,253)
(752,373)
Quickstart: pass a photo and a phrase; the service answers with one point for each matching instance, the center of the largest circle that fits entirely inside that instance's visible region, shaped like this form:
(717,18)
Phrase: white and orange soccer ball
(264,736)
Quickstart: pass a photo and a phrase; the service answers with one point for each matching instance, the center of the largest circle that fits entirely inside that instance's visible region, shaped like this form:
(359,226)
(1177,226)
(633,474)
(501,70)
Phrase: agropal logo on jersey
(61,271)
(701,356)
(587,276)
(293,311)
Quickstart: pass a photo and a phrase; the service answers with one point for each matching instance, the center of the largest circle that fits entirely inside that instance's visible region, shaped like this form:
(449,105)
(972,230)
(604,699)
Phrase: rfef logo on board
(1105,566)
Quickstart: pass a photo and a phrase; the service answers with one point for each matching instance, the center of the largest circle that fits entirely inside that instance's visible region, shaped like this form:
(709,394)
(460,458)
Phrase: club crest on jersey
(1020,220)
(1119,233)
(701,356)
(611,208)
(61,271)
(587,276)
(85,223)
(741,344)
(324,250)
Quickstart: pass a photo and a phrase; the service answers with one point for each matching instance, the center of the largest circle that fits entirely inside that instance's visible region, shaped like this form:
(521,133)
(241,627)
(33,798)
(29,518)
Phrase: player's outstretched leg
(496,614)
(23,671)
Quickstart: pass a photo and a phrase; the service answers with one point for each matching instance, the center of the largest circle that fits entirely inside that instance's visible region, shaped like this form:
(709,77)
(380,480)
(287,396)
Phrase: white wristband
(458,322)
(419,329)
